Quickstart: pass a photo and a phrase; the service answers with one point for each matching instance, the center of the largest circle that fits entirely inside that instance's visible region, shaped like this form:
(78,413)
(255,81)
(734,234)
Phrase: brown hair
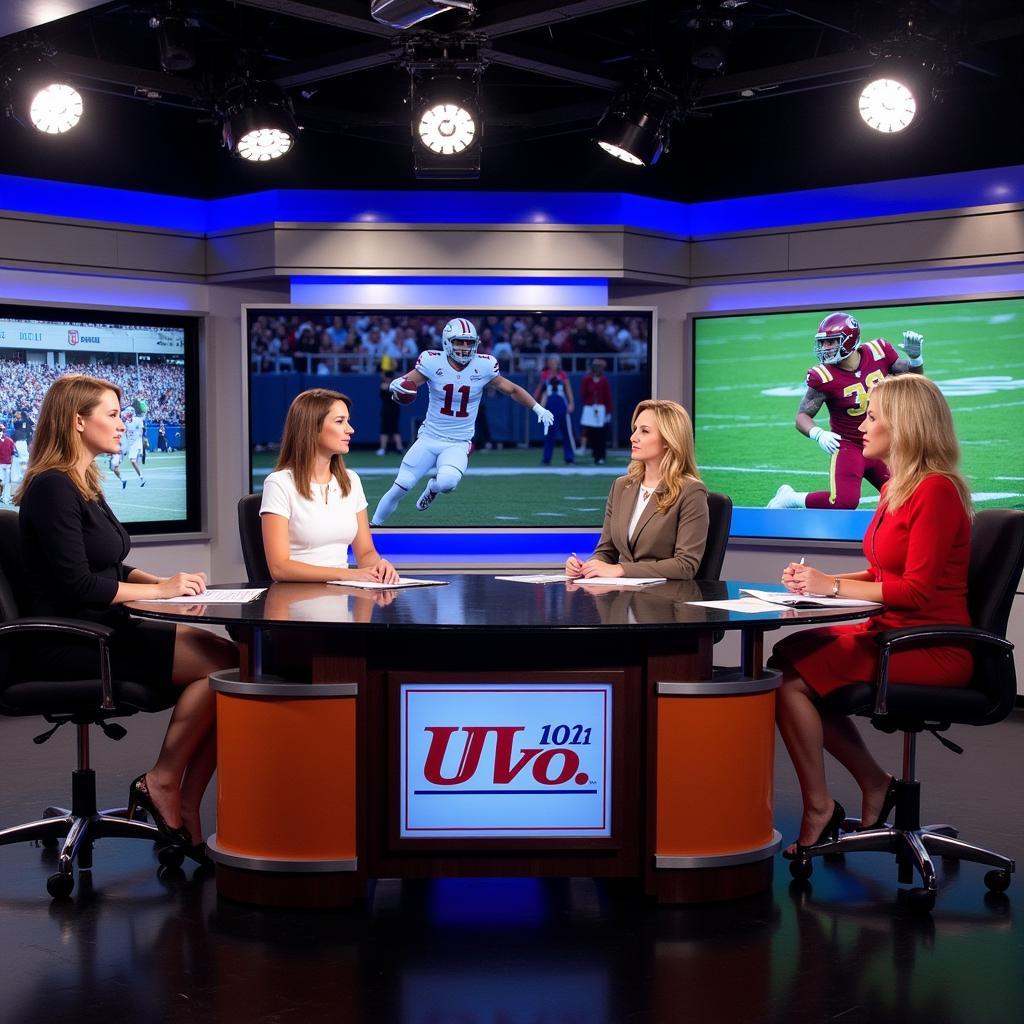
(922,441)
(56,444)
(302,427)
(679,461)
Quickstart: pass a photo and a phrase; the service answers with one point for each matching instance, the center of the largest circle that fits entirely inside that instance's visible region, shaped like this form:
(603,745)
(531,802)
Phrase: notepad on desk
(619,581)
(214,597)
(792,600)
(405,581)
(537,577)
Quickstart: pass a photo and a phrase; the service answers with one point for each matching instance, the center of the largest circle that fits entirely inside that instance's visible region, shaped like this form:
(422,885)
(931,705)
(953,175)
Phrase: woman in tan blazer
(656,521)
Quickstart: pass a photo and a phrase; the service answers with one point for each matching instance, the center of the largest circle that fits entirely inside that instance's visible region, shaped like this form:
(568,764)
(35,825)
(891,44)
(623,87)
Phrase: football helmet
(460,340)
(127,414)
(838,336)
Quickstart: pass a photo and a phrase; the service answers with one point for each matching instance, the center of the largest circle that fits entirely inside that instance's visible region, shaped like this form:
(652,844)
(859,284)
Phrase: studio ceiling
(779,115)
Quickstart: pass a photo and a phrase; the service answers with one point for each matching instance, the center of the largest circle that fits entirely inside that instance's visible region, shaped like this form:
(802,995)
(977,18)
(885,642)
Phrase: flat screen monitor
(153,487)
(750,377)
(506,483)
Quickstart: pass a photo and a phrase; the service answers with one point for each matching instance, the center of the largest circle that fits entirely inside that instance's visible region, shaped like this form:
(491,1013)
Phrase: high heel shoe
(829,832)
(887,805)
(139,796)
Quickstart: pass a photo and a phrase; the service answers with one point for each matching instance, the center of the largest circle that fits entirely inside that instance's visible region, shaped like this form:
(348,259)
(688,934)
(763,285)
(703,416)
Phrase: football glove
(912,345)
(397,390)
(827,440)
(544,416)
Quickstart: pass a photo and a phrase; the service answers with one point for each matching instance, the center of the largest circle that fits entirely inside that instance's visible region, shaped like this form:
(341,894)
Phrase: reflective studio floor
(131,946)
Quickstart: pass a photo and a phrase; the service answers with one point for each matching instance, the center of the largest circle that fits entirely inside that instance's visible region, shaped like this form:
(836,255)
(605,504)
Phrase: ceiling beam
(335,65)
(785,74)
(338,13)
(90,69)
(543,62)
(531,14)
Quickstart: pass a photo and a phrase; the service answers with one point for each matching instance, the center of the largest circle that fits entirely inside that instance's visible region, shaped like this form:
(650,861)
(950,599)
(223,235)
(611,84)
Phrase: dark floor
(132,947)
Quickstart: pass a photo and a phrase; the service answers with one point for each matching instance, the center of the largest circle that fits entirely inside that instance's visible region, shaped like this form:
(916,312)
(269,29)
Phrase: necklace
(646,492)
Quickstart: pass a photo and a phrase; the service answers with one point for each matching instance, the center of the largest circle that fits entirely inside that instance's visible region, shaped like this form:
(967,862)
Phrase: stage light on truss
(260,132)
(55,108)
(446,127)
(887,104)
(636,129)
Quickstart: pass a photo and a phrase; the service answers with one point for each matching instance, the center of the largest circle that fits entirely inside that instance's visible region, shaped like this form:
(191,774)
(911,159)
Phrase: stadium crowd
(359,343)
(161,385)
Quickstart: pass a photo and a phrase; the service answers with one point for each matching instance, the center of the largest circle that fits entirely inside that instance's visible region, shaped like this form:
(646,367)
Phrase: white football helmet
(460,340)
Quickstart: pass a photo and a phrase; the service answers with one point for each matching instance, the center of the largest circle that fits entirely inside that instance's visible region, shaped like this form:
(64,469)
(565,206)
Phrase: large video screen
(750,378)
(153,486)
(511,479)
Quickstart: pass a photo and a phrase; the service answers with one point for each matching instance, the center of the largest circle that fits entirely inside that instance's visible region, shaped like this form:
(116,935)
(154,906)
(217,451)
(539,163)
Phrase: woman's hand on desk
(385,572)
(808,580)
(182,584)
(573,567)
(381,571)
(595,567)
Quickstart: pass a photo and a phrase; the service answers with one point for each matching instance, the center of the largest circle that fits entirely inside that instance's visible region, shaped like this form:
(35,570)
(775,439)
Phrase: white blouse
(643,496)
(320,528)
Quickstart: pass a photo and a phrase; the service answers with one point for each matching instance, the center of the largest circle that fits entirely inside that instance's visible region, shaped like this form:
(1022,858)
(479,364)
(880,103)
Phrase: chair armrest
(911,636)
(80,628)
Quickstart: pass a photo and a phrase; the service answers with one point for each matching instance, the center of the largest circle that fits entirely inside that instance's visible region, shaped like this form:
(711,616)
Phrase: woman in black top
(76,548)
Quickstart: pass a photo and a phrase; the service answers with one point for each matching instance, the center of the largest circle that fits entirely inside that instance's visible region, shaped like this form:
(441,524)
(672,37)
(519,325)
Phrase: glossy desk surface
(482,602)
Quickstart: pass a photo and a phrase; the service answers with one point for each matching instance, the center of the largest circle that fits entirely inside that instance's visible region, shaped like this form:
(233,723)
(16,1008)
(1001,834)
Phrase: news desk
(487,727)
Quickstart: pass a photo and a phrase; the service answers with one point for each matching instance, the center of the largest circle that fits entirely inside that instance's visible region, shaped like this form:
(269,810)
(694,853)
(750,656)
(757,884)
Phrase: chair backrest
(720,520)
(12,595)
(250,533)
(997,560)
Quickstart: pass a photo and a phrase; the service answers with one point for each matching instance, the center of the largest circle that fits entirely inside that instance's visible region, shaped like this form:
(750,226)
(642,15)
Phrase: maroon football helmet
(838,336)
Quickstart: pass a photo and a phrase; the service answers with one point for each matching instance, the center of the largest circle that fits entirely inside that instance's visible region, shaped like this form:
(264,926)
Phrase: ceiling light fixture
(257,122)
(56,108)
(887,105)
(402,14)
(446,123)
(636,127)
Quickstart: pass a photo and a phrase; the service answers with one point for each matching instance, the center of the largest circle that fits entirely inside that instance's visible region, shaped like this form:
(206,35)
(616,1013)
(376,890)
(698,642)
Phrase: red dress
(919,554)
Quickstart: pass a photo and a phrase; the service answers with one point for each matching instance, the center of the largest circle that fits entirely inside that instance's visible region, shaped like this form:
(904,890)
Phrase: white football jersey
(454,394)
(133,432)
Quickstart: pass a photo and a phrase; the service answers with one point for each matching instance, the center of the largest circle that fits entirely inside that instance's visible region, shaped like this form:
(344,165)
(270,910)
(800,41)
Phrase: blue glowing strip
(547,282)
(121,206)
(502,792)
(800,523)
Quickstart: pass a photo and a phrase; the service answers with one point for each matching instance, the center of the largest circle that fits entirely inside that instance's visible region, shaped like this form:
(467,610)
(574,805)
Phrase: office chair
(82,702)
(719,522)
(250,533)
(997,559)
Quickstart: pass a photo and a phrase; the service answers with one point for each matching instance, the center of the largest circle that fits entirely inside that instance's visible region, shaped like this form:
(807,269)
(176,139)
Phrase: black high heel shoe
(830,832)
(887,805)
(139,796)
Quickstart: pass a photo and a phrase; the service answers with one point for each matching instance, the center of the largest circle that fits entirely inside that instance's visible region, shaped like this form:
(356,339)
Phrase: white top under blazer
(320,528)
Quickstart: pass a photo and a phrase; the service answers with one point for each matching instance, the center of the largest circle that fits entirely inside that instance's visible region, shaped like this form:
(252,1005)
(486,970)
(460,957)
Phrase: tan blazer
(669,544)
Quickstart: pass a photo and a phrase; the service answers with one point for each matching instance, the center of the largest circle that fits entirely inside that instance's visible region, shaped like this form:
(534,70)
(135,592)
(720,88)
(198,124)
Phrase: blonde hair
(679,461)
(302,427)
(56,444)
(922,441)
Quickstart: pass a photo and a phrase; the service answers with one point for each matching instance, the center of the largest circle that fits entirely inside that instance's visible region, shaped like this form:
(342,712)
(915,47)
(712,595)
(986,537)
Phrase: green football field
(750,374)
(501,488)
(163,497)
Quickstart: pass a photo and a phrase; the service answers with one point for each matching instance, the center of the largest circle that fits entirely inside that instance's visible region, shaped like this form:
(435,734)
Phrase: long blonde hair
(922,441)
(302,427)
(679,462)
(56,444)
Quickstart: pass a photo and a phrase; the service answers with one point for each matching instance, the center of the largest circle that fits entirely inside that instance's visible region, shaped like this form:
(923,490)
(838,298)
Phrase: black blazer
(74,550)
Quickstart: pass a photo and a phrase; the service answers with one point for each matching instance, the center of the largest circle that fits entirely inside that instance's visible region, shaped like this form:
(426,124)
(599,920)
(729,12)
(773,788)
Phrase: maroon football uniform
(846,391)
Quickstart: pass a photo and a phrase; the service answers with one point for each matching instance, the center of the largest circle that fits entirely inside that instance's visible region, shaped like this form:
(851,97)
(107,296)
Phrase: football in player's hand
(405,392)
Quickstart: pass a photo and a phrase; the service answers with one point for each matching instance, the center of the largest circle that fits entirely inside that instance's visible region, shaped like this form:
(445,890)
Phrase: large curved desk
(487,727)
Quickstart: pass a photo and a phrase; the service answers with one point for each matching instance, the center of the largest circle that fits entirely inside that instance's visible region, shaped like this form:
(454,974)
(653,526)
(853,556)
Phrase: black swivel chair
(719,522)
(250,533)
(82,702)
(997,559)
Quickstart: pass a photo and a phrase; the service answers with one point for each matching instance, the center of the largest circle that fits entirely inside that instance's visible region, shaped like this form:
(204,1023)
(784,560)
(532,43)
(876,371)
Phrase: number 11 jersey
(454,394)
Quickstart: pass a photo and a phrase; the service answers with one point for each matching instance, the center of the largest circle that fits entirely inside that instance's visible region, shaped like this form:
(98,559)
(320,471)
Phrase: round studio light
(887,105)
(56,109)
(635,139)
(264,144)
(620,153)
(447,128)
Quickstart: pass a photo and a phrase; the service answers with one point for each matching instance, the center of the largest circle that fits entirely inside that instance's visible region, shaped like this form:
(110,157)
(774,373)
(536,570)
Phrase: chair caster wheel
(920,901)
(998,880)
(59,886)
(171,856)
(801,870)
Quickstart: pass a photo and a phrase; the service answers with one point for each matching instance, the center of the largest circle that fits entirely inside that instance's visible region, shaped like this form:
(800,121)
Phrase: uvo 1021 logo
(552,762)
(496,759)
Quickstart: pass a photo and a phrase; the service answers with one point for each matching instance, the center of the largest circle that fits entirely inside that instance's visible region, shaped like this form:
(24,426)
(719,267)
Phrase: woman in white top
(313,508)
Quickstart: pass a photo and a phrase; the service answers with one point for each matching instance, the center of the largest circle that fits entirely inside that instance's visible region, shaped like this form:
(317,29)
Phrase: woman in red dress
(918,547)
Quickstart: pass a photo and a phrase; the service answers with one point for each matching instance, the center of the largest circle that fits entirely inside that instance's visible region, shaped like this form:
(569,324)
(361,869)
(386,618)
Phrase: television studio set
(511,512)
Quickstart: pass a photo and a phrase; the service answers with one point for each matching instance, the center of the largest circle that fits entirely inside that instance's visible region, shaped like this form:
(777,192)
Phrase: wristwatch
(835,586)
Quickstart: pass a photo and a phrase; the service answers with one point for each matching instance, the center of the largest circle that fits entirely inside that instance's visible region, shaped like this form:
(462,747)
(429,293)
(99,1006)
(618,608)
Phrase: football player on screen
(456,378)
(847,371)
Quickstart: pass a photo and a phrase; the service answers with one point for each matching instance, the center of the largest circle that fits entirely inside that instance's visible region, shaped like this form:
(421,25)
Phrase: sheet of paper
(741,604)
(405,581)
(619,581)
(808,600)
(214,597)
(540,577)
